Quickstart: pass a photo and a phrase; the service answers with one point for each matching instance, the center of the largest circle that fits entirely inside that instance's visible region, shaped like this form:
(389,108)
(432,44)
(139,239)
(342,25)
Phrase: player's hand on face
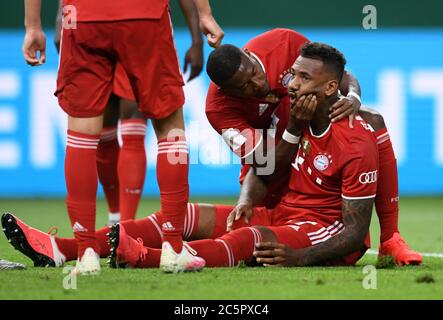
(194,58)
(345,107)
(242,209)
(304,108)
(33,45)
(272,254)
(214,34)
(302,111)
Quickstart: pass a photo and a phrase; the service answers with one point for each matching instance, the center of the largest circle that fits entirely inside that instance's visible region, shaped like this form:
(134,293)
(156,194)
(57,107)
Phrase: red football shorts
(122,86)
(144,49)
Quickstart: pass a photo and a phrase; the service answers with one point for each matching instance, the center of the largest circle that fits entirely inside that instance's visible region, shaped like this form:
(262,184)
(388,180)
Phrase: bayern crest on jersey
(321,162)
(285,78)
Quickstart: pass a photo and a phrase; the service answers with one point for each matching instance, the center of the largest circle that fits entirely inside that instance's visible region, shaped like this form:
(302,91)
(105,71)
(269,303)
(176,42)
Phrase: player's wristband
(289,137)
(356,96)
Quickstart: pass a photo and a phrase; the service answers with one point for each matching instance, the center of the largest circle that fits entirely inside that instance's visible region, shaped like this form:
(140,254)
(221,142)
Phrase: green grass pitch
(421,222)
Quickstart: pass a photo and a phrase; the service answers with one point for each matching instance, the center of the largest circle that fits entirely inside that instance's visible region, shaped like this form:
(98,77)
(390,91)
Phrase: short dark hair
(329,55)
(223,63)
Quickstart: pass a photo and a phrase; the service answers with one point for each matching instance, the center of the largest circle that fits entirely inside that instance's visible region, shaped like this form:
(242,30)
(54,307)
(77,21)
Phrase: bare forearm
(191,15)
(340,246)
(59,12)
(253,190)
(32,14)
(281,157)
(349,83)
(356,219)
(203,7)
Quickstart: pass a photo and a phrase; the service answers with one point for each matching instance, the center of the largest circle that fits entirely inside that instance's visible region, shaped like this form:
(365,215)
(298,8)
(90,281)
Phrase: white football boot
(89,264)
(185,261)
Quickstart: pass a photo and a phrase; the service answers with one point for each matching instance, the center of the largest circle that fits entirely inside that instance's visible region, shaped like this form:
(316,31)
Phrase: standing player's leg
(81,185)
(386,201)
(153,69)
(84,86)
(172,178)
(132,162)
(107,158)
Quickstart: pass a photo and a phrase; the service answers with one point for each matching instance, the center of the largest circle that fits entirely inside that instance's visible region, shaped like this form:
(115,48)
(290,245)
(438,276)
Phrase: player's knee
(92,125)
(267,234)
(170,126)
(207,221)
(374,118)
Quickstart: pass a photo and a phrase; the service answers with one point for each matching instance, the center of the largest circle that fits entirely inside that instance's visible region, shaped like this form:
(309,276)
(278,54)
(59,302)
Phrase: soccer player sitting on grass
(323,219)
(247,105)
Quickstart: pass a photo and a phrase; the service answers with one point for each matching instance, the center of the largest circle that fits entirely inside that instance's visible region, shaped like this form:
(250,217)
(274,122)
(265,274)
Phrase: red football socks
(81,184)
(172,177)
(107,159)
(131,166)
(226,251)
(148,229)
(386,201)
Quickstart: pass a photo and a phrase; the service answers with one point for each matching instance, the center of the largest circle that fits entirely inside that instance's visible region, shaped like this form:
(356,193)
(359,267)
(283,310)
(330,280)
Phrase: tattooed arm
(356,219)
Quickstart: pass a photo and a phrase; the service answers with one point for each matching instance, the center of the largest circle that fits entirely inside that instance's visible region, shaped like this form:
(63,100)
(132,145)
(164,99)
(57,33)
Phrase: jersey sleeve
(360,171)
(286,40)
(223,115)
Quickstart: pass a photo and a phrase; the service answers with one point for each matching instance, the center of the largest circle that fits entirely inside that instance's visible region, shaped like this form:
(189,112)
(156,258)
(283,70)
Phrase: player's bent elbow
(374,118)
(357,239)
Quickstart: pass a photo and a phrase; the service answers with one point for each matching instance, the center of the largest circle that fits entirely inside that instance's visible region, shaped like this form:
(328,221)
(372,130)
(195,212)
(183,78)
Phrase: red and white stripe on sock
(81,184)
(238,245)
(172,176)
(108,134)
(190,226)
(133,127)
(82,141)
(227,251)
(132,166)
(178,148)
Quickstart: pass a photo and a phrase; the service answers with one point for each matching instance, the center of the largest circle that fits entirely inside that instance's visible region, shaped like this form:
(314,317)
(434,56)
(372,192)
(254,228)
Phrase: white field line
(424,254)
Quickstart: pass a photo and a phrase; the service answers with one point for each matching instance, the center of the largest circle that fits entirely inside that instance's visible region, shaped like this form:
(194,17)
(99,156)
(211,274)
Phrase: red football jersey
(115,10)
(237,120)
(340,163)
